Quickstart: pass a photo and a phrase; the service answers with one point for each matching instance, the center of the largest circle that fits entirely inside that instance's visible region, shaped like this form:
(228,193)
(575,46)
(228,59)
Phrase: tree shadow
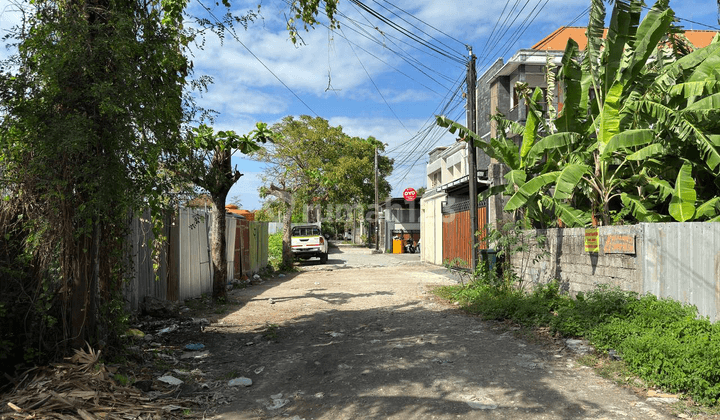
(404,360)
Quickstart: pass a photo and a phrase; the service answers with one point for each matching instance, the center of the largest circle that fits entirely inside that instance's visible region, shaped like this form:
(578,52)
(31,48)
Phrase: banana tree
(632,132)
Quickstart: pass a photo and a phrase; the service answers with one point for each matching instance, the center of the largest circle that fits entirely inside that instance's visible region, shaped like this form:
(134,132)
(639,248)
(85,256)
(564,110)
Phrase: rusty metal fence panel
(456,237)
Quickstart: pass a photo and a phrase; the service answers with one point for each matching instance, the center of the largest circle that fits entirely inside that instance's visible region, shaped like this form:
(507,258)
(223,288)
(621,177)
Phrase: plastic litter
(171,380)
(195,347)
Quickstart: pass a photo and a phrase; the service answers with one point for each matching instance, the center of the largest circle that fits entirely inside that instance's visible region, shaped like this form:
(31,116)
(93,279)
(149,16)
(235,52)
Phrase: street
(362,338)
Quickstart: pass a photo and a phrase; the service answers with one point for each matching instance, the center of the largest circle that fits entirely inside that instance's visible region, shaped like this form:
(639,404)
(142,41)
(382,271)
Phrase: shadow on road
(403,362)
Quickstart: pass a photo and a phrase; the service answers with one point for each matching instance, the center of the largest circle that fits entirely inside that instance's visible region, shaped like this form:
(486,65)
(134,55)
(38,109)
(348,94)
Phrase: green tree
(93,110)
(205,160)
(315,164)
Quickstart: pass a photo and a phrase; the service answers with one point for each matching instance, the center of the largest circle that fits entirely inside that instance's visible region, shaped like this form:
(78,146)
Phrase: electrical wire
(409,23)
(232,32)
(459,58)
(374,84)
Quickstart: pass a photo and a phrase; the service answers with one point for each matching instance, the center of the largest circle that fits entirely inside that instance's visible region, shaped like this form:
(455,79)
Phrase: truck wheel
(323,258)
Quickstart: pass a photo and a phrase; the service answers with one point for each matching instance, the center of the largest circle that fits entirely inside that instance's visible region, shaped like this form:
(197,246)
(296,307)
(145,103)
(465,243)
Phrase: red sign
(410,194)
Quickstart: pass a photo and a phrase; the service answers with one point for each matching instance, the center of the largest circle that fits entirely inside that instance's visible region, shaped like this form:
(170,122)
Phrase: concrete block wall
(576,269)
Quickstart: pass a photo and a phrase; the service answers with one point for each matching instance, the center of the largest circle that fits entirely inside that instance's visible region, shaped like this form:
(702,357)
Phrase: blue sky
(367,77)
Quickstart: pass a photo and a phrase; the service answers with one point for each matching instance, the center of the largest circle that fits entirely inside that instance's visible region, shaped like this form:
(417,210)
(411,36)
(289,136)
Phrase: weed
(271,331)
(230,375)
(121,379)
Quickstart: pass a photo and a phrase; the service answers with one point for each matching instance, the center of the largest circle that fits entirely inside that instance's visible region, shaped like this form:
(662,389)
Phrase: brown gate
(456,232)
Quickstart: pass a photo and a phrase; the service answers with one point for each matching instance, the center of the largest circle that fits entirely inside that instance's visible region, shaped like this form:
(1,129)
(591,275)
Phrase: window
(306,231)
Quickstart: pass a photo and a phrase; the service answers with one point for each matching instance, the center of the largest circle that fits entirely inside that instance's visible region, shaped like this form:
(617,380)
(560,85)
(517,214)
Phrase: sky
(383,78)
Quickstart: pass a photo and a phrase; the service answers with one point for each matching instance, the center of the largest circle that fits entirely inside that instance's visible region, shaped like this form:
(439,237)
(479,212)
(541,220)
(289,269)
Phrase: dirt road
(361,338)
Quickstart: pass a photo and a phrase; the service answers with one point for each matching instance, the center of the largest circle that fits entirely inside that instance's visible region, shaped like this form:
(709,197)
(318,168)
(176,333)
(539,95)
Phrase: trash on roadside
(277,402)
(170,380)
(168,329)
(195,347)
(135,333)
(195,355)
(240,382)
(259,370)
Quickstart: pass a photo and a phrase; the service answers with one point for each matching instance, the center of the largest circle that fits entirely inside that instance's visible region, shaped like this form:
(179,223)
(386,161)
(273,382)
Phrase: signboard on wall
(592,240)
(619,244)
(409,194)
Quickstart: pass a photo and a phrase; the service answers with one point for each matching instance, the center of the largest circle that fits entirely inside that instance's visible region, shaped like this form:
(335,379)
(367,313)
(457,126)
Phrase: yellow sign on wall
(592,240)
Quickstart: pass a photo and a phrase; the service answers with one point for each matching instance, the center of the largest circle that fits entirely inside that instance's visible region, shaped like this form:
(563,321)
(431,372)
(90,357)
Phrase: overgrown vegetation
(662,341)
(93,105)
(637,139)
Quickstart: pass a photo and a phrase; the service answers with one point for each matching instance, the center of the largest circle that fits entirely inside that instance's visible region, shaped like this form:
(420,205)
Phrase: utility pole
(472,160)
(377,204)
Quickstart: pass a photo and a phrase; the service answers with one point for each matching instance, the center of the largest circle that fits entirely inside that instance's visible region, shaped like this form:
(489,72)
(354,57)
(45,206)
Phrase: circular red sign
(410,194)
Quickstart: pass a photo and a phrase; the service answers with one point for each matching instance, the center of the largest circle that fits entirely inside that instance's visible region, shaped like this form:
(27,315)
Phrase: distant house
(399,219)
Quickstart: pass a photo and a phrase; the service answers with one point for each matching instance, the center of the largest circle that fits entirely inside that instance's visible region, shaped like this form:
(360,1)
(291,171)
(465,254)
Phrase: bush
(275,251)
(660,340)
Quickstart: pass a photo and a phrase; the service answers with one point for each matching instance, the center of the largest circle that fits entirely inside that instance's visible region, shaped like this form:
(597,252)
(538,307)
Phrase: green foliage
(122,379)
(647,142)
(275,251)
(661,340)
(315,165)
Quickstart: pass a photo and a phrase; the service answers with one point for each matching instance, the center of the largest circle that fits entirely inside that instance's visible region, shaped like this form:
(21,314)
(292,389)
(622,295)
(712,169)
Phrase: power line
(405,57)
(231,30)
(373,82)
(409,23)
(459,58)
(390,38)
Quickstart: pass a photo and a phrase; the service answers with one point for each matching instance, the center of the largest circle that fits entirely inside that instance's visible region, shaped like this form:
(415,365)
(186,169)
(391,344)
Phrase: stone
(158,308)
(145,386)
(242,381)
(579,346)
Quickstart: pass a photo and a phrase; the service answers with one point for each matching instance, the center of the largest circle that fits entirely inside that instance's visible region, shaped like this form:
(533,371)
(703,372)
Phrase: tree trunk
(287,255)
(218,246)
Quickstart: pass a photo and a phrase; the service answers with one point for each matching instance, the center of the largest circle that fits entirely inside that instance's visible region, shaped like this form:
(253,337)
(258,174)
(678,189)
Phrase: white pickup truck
(308,242)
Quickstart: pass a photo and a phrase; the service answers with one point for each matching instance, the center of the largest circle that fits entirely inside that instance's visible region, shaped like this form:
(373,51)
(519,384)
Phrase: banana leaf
(647,152)
(521,196)
(571,216)
(639,211)
(627,139)
(682,203)
(567,181)
(516,177)
(551,142)
(531,126)
(708,209)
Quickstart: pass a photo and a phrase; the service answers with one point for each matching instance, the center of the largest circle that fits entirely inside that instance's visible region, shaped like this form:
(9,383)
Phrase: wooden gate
(456,232)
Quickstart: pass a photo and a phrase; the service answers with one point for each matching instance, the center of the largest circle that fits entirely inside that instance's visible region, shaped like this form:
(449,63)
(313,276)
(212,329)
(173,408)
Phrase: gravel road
(362,338)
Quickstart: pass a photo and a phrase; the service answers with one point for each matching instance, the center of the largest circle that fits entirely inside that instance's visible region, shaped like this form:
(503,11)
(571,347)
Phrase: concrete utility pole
(472,159)
(377,204)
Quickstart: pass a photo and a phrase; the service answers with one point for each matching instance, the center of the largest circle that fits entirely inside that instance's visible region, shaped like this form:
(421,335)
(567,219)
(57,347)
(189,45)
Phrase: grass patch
(661,341)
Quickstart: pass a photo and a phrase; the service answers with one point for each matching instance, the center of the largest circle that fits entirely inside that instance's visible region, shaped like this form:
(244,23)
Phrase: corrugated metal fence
(682,261)
(183,268)
(456,238)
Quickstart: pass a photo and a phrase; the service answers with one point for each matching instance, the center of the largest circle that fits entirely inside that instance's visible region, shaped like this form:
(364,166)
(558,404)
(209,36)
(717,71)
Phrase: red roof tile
(557,40)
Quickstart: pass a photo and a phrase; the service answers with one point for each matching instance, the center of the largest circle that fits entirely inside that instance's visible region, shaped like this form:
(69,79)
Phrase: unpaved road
(361,338)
